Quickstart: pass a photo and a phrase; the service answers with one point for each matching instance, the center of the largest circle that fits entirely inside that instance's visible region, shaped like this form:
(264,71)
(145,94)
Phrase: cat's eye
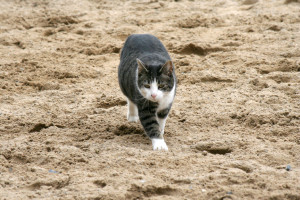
(160,86)
(147,86)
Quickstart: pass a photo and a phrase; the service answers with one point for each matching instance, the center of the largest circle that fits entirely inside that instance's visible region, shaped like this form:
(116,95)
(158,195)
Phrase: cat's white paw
(133,118)
(159,144)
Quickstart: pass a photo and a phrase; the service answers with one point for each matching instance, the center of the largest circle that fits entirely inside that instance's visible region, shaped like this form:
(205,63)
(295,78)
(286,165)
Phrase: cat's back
(143,43)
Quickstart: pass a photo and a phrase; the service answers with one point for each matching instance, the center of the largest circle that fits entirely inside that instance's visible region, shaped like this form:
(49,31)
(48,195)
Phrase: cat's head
(155,81)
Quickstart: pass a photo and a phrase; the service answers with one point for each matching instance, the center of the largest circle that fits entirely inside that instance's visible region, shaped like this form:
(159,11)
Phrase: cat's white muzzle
(148,94)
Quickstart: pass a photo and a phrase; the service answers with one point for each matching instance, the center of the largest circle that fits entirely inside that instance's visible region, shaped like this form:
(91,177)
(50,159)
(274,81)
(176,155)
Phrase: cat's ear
(167,68)
(141,65)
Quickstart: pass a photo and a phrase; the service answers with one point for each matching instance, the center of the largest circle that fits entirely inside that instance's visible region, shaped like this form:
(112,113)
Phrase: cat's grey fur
(143,60)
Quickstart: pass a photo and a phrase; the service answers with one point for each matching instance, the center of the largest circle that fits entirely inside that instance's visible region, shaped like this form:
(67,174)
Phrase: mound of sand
(233,129)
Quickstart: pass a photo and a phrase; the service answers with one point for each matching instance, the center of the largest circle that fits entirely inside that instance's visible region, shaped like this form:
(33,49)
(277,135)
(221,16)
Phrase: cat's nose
(153,95)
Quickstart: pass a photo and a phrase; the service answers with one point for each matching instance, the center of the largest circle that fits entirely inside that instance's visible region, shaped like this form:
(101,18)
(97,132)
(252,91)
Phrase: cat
(147,78)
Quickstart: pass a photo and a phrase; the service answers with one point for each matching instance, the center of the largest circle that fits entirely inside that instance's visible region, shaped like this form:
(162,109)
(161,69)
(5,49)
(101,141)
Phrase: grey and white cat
(147,78)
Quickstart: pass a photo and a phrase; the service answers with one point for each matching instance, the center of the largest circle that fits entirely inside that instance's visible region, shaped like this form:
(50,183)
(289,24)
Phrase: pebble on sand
(53,171)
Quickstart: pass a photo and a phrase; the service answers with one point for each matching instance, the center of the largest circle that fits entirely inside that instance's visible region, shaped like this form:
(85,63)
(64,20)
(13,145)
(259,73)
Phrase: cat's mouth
(154,100)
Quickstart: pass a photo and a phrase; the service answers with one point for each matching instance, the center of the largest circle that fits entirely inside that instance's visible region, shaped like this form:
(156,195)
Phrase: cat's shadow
(128,129)
(133,135)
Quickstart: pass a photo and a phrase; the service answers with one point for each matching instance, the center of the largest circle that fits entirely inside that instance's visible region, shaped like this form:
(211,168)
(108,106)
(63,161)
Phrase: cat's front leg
(132,114)
(162,116)
(159,144)
(162,123)
(152,128)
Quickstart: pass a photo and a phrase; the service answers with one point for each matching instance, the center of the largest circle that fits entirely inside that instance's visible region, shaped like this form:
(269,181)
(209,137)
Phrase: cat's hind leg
(132,114)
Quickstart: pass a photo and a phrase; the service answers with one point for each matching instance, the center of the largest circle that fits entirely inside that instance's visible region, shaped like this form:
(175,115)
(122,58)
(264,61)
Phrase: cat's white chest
(166,100)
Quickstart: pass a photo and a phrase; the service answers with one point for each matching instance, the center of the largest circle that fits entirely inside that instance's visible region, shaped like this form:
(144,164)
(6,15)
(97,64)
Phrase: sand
(233,131)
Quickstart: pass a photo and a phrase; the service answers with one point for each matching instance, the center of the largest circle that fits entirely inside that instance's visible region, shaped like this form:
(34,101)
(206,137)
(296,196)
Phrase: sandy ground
(233,132)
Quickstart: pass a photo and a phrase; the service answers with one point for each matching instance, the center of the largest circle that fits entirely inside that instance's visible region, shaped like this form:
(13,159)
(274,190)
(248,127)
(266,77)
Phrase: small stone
(288,168)
(203,190)
(53,171)
(229,192)
(274,28)
(182,120)
(204,153)
(142,181)
(48,32)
